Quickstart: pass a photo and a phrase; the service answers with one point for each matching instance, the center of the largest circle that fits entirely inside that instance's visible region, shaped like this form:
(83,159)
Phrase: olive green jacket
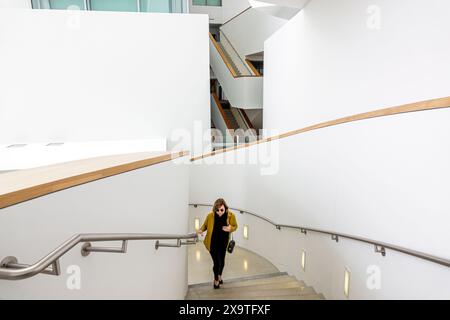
(208,226)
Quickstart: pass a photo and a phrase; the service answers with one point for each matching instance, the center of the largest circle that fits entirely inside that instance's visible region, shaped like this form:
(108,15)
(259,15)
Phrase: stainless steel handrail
(10,269)
(237,209)
(380,247)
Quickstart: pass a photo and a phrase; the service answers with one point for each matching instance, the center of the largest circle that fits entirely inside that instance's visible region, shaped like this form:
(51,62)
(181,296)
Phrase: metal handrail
(10,269)
(234,17)
(380,247)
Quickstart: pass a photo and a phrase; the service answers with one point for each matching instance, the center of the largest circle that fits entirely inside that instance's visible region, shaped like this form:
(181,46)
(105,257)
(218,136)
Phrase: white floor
(240,263)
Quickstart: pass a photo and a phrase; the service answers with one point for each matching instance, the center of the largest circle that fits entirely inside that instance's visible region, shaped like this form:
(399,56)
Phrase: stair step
(275,286)
(194,296)
(238,293)
(244,279)
(269,286)
(295,297)
(248,283)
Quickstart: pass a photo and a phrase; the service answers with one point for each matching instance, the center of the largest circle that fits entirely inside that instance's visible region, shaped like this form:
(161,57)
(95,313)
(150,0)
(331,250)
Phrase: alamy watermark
(373,281)
(374,17)
(73,281)
(251,148)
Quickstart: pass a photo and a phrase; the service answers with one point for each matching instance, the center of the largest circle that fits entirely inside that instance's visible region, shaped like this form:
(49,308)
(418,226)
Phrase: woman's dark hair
(218,203)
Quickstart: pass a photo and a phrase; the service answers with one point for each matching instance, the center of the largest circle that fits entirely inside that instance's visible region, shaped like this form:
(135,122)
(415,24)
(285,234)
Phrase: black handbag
(231,245)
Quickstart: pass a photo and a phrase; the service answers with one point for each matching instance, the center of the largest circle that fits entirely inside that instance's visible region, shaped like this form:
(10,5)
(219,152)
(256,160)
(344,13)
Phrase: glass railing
(163,6)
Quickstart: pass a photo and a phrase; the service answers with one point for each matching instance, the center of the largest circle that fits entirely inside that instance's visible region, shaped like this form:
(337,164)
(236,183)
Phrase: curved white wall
(332,60)
(381,178)
(150,200)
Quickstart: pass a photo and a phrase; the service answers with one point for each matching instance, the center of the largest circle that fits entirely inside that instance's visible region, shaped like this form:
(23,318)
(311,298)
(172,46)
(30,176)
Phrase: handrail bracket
(87,248)
(11,262)
(168,245)
(380,249)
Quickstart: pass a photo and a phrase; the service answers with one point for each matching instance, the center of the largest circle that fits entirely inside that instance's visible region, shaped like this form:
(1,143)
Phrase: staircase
(230,60)
(275,286)
(231,118)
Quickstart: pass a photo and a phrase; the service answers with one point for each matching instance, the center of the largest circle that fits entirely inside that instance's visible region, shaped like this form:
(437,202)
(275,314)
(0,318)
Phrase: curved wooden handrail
(439,103)
(24,185)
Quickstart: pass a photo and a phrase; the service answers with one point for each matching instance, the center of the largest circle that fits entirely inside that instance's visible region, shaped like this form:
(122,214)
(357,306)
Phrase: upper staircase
(243,89)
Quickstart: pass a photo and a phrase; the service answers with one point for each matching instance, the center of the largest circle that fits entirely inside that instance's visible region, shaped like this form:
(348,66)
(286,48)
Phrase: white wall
(326,63)
(150,200)
(79,76)
(381,179)
(24,4)
(248,31)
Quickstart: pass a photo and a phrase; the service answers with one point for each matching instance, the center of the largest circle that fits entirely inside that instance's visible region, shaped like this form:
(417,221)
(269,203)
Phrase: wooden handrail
(222,112)
(24,185)
(223,56)
(249,123)
(254,70)
(439,103)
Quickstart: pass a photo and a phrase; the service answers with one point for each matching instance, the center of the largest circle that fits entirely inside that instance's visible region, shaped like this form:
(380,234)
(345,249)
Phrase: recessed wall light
(347,283)
(197,223)
(245,231)
(303,260)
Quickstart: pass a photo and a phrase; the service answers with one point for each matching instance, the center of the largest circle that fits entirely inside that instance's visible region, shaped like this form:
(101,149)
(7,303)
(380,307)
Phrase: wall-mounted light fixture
(303,260)
(245,231)
(347,283)
(197,224)
(245,265)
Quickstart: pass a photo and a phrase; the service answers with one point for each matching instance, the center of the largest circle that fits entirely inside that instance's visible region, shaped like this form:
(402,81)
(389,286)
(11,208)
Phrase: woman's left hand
(226,229)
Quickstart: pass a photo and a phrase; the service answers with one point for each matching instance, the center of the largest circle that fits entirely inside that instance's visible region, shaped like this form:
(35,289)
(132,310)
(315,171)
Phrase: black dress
(219,243)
